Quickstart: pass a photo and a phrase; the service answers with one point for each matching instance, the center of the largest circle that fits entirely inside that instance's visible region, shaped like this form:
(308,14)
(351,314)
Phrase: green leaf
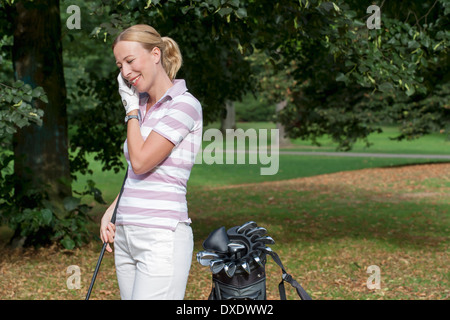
(68,243)
(341,77)
(225,11)
(18,84)
(386,87)
(327,6)
(44,98)
(241,13)
(37,92)
(47,216)
(411,90)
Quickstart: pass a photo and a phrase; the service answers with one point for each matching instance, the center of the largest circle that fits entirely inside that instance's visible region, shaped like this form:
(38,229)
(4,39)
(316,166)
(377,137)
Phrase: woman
(152,237)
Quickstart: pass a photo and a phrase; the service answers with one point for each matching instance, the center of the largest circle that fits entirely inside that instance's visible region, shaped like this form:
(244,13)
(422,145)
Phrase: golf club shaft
(96,270)
(113,220)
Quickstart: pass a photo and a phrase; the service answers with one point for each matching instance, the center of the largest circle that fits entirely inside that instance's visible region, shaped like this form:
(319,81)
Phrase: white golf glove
(129,95)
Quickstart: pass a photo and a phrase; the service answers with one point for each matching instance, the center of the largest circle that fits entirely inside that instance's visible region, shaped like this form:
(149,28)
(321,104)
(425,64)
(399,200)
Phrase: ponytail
(171,57)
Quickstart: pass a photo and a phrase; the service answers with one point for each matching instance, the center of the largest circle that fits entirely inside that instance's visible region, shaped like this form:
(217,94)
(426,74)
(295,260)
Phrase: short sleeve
(179,120)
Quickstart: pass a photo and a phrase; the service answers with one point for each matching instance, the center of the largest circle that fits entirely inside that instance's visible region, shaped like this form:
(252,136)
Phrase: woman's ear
(156,54)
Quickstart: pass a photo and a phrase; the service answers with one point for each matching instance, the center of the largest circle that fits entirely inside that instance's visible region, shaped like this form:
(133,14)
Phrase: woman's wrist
(133,113)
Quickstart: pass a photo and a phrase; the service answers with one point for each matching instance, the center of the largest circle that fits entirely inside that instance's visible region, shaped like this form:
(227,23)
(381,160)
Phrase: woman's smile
(135,80)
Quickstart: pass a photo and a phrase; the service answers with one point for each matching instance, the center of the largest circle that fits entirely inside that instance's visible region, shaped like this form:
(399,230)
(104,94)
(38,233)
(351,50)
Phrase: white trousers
(151,263)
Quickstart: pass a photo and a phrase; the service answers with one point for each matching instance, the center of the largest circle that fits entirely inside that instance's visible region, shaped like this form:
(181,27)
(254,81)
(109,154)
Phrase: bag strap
(288,278)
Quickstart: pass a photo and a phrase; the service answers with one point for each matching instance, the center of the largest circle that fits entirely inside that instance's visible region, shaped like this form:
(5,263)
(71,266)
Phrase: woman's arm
(145,155)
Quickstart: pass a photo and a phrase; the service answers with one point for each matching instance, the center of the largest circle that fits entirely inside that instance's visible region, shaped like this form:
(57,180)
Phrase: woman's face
(137,65)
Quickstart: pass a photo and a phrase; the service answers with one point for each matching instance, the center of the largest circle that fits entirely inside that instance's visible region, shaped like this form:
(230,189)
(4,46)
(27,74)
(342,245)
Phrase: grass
(331,218)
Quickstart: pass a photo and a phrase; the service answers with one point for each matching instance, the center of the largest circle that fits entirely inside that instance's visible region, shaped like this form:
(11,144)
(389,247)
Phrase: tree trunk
(41,160)
(229,121)
(284,141)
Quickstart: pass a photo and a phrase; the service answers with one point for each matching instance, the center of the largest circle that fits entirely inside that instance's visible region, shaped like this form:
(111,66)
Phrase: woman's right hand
(107,229)
(128,94)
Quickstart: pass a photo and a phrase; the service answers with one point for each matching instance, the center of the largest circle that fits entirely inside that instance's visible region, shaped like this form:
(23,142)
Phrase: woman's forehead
(126,48)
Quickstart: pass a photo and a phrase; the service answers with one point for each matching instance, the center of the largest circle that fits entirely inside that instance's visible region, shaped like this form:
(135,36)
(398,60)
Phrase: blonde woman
(153,241)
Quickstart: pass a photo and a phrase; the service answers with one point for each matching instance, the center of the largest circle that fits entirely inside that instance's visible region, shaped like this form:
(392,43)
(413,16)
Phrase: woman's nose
(126,71)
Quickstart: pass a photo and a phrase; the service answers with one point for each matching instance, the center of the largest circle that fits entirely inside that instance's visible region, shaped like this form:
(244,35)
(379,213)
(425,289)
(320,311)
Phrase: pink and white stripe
(157,198)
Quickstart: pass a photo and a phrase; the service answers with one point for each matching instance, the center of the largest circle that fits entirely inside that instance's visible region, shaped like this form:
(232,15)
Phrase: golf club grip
(113,220)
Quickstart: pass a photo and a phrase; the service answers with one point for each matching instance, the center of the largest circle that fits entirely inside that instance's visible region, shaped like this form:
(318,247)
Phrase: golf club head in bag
(237,259)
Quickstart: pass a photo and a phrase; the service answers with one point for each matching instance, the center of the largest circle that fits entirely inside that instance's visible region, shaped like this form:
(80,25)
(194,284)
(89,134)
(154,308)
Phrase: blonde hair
(171,58)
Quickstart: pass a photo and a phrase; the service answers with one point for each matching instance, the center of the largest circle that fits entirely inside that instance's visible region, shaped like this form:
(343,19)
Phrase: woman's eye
(130,61)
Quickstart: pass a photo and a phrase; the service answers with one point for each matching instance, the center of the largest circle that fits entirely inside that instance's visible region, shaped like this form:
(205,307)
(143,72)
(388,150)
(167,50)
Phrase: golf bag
(237,260)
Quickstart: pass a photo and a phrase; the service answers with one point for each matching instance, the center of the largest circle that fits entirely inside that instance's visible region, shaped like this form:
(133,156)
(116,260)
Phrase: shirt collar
(178,88)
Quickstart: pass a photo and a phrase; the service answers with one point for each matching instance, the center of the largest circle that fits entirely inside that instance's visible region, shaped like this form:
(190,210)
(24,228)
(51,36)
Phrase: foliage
(16,108)
(252,109)
(42,222)
(346,79)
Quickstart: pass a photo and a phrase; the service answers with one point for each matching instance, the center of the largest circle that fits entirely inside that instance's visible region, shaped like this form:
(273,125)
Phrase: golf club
(266,249)
(234,248)
(216,265)
(205,257)
(102,252)
(257,259)
(260,231)
(265,240)
(246,226)
(245,266)
(230,268)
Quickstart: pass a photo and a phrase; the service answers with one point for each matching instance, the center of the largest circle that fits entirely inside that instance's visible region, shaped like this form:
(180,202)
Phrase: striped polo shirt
(157,199)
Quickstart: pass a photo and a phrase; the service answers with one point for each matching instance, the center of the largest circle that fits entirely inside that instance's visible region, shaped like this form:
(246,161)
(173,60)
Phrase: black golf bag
(237,259)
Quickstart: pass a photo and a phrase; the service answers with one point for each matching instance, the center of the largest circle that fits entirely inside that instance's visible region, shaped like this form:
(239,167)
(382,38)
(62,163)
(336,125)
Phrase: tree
(41,152)
(348,78)
(37,199)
